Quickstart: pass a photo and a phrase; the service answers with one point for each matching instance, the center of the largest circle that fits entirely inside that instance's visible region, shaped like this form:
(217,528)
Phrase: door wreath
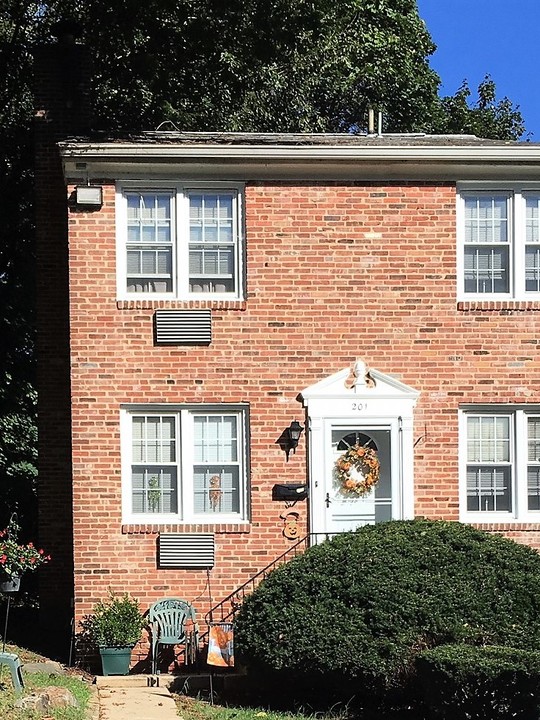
(357,470)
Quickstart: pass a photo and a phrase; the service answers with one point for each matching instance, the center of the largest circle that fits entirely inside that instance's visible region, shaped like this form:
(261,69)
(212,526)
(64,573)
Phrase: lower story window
(502,464)
(184,464)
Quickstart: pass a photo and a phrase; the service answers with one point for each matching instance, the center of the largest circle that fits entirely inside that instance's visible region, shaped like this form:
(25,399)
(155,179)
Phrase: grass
(76,682)
(191,709)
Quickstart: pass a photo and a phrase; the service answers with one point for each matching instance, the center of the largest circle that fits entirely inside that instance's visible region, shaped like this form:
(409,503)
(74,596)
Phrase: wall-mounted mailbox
(290,491)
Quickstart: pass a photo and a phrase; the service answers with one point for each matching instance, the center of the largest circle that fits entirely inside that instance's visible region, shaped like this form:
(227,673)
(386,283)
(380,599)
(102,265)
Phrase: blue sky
(495,37)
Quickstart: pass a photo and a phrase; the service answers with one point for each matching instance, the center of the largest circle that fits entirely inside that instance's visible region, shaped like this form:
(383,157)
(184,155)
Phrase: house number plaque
(358,406)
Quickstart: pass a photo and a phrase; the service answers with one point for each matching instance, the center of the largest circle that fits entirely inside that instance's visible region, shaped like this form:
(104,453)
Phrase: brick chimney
(61,110)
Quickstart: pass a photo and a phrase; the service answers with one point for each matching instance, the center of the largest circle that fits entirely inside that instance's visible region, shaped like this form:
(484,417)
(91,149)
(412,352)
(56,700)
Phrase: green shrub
(460,682)
(351,613)
(115,622)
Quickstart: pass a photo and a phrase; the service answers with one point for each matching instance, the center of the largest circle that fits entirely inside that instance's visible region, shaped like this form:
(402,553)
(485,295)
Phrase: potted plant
(114,627)
(17,558)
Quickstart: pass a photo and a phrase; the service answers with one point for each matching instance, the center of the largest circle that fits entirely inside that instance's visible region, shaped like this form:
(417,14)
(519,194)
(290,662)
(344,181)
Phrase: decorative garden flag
(221,645)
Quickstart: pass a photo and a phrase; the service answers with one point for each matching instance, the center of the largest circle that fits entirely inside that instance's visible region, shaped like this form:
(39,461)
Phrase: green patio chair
(172,621)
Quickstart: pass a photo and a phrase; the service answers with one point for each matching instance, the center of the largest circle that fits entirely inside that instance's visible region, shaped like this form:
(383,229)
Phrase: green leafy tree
(273,65)
(259,65)
(485,118)
(20,27)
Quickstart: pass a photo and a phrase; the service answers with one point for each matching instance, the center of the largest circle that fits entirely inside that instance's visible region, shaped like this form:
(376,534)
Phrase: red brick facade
(335,270)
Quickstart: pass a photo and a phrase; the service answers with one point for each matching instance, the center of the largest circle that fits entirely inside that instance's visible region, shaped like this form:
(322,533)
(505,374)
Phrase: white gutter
(169,152)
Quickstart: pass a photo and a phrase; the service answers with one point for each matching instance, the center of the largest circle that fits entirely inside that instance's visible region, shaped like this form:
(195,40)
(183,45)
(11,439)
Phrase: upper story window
(501,464)
(184,464)
(500,244)
(180,242)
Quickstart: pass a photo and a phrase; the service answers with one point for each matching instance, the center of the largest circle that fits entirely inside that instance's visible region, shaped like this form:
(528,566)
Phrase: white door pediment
(335,386)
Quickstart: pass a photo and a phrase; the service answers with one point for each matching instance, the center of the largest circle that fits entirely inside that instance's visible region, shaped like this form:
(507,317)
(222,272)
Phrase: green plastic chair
(14,664)
(172,622)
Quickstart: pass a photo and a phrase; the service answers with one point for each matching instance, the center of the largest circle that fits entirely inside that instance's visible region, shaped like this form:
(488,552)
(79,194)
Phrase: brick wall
(334,272)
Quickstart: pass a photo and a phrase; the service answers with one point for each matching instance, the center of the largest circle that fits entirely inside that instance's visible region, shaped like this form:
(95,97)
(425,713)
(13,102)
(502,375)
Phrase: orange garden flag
(221,645)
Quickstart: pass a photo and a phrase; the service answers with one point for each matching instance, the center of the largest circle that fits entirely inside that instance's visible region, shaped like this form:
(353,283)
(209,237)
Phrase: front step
(187,683)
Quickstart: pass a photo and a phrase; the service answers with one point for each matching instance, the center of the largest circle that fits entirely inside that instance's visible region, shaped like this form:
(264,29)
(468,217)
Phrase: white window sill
(156,519)
(220,297)
(495,518)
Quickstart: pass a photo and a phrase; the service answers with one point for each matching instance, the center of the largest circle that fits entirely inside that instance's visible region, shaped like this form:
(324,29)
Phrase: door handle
(327,500)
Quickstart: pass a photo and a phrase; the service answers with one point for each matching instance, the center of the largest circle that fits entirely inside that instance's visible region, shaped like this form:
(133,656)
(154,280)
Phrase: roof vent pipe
(379,123)
(371,121)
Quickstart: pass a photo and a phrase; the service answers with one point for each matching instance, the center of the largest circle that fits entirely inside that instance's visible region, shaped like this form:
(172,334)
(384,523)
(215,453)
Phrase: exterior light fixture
(89,195)
(294,431)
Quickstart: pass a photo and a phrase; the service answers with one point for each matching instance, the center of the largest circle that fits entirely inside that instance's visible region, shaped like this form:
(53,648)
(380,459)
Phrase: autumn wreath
(357,470)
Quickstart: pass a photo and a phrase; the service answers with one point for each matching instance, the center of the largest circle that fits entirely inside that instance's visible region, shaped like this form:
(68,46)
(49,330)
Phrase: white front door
(333,510)
(379,416)
(345,512)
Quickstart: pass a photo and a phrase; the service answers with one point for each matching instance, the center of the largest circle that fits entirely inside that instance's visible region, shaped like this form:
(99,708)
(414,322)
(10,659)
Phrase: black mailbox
(291,491)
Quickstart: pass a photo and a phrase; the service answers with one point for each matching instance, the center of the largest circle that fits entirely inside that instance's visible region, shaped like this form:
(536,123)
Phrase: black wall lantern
(294,431)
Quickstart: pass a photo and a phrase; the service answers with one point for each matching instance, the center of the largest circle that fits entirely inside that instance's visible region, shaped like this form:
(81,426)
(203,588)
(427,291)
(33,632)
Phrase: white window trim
(520,512)
(180,220)
(516,233)
(185,515)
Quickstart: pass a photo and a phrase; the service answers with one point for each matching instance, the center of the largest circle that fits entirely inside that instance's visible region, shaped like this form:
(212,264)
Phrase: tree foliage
(257,65)
(20,28)
(485,118)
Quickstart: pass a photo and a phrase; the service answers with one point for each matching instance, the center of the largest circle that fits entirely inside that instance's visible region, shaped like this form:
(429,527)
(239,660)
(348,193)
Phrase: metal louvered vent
(183,327)
(182,550)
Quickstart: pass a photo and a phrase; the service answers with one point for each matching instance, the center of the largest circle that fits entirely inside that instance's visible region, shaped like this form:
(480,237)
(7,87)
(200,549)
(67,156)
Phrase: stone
(49,667)
(48,698)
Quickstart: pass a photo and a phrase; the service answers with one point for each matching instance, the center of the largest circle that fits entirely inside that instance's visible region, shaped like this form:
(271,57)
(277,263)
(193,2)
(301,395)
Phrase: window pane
(488,439)
(153,474)
(533,436)
(486,219)
(215,438)
(216,489)
(533,488)
(487,269)
(154,490)
(532,269)
(532,219)
(489,489)
(533,460)
(153,439)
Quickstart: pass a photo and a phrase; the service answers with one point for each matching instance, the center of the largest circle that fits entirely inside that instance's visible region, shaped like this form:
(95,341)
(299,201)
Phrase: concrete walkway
(134,697)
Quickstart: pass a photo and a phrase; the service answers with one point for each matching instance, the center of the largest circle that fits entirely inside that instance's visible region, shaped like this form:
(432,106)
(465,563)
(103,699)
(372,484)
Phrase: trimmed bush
(460,682)
(351,614)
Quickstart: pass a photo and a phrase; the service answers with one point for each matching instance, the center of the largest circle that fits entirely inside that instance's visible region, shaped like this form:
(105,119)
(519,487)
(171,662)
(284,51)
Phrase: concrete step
(130,681)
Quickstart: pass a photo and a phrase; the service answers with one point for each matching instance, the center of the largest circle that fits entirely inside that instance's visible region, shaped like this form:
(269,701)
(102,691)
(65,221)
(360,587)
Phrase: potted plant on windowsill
(17,558)
(114,627)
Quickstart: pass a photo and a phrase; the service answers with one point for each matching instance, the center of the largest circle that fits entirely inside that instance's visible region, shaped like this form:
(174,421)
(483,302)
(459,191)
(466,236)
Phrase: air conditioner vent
(186,550)
(183,327)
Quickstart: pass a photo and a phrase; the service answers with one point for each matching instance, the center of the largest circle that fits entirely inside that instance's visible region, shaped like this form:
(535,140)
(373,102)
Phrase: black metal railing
(225,610)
